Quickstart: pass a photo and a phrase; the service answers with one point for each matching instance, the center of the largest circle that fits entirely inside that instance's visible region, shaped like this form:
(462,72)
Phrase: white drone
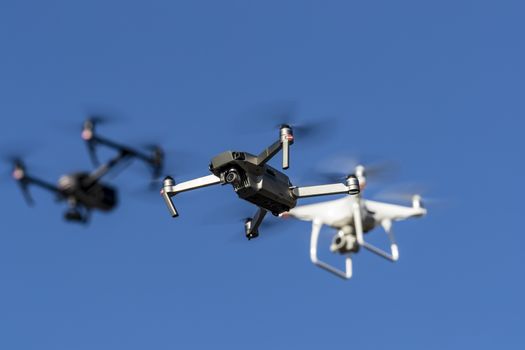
(352,217)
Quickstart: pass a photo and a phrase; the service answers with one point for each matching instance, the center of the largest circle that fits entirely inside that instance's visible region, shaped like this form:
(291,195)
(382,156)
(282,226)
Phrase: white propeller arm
(169,189)
(314,243)
(387,226)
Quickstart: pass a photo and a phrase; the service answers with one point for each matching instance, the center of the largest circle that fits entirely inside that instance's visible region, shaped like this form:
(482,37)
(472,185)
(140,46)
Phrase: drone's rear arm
(124,149)
(92,140)
(170,189)
(29,180)
(351,187)
(102,170)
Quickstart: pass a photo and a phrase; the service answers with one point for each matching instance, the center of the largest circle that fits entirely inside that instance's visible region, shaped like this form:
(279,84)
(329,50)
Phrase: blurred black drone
(84,191)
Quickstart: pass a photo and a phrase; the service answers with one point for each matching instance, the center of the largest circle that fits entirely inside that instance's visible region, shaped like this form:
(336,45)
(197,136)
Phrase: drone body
(256,182)
(352,218)
(259,184)
(85,192)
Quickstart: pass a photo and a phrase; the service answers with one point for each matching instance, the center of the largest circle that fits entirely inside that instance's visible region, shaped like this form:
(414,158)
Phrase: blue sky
(435,86)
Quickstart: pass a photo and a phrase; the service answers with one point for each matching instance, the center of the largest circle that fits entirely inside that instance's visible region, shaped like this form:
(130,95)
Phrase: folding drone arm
(169,189)
(155,160)
(25,180)
(103,169)
(95,139)
(123,149)
(285,140)
(387,226)
(40,183)
(314,242)
(252,225)
(351,187)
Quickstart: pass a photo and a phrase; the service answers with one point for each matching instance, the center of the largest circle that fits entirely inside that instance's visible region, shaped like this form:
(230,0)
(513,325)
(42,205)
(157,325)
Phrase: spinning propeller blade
(412,193)
(284,113)
(25,192)
(338,168)
(156,161)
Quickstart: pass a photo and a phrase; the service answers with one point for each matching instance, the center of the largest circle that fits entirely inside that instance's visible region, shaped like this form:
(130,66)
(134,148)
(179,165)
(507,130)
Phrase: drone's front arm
(285,140)
(351,187)
(89,135)
(103,169)
(170,189)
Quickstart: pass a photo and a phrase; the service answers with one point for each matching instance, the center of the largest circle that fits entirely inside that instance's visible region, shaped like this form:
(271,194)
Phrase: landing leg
(314,238)
(387,226)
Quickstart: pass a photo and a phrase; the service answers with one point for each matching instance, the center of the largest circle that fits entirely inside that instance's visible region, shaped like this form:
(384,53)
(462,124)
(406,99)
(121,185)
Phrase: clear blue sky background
(436,86)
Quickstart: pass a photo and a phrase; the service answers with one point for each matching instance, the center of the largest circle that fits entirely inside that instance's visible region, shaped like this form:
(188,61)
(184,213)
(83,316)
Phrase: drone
(353,217)
(255,181)
(85,192)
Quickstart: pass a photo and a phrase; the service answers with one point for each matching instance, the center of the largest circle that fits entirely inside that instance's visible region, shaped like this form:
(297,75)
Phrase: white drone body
(353,217)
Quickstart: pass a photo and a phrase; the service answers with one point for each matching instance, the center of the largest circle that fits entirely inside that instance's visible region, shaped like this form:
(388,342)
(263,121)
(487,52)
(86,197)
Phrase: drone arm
(387,226)
(29,180)
(269,153)
(285,140)
(286,153)
(95,139)
(40,183)
(169,203)
(322,190)
(314,243)
(102,170)
(92,152)
(252,225)
(105,142)
(170,189)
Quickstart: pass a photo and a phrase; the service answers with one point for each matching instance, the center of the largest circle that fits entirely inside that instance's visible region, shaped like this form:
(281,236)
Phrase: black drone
(257,182)
(85,191)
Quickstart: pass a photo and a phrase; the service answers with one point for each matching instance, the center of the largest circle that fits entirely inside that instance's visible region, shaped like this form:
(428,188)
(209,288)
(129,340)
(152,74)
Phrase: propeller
(338,168)
(96,118)
(413,193)
(179,164)
(156,161)
(284,113)
(20,176)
